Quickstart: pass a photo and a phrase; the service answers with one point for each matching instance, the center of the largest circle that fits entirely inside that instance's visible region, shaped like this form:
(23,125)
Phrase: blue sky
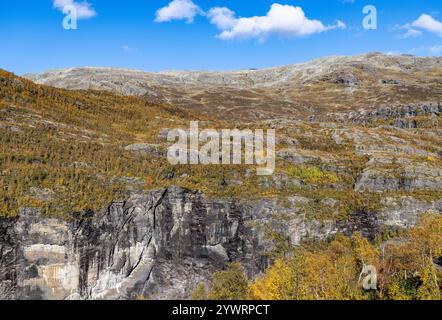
(135,34)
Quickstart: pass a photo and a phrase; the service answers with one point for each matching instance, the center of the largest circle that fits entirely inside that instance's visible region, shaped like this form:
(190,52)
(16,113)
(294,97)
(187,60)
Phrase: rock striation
(161,244)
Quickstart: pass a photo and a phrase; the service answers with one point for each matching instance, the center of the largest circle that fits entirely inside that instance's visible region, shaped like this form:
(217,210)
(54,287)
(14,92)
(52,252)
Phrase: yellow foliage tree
(230,284)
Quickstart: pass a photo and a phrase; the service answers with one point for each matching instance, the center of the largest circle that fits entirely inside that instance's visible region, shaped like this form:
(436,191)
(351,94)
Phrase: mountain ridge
(323,85)
(90,202)
(234,71)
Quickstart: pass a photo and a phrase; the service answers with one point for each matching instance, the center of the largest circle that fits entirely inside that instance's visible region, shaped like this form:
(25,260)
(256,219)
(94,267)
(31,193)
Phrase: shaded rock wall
(158,245)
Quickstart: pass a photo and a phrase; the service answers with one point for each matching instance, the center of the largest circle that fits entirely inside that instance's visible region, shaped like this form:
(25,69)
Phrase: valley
(92,209)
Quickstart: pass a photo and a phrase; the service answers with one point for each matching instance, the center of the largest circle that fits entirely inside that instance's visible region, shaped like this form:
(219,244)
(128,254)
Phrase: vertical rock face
(157,245)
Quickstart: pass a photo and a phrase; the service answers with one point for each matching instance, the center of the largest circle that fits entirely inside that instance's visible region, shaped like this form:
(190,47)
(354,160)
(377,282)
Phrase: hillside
(91,208)
(297,91)
(63,151)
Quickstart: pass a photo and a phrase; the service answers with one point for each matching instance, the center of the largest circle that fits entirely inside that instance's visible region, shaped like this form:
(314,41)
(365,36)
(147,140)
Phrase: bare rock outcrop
(159,245)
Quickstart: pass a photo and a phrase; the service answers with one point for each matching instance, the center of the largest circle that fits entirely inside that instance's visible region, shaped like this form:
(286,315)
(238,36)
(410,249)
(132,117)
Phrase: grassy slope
(62,151)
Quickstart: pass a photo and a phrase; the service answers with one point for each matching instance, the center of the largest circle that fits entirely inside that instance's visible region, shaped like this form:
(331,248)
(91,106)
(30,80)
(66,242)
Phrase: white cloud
(393,53)
(84,9)
(222,17)
(339,25)
(411,33)
(283,20)
(128,49)
(432,50)
(428,23)
(178,10)
(435,49)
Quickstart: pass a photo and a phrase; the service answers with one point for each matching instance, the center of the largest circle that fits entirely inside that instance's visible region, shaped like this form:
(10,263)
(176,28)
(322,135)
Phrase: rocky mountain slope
(320,86)
(91,209)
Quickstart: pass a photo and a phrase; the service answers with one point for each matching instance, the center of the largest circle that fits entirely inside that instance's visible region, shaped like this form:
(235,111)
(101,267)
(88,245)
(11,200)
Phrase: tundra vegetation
(77,151)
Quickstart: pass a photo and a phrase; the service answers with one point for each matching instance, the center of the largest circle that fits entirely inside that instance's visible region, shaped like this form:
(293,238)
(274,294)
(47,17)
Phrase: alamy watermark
(370,21)
(223,147)
(70,21)
(74,11)
(370,281)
